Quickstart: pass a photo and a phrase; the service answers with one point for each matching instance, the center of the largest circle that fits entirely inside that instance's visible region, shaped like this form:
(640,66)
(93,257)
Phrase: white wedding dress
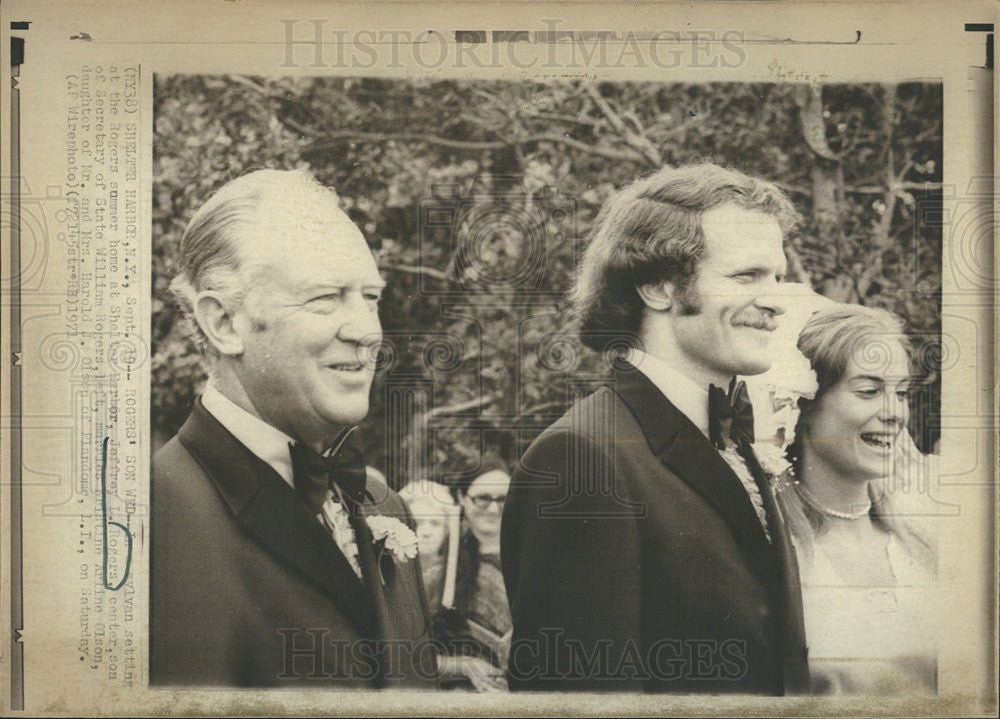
(871,640)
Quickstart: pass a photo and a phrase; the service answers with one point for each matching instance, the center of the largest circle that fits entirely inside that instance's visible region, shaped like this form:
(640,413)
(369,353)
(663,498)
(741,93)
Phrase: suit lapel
(691,456)
(395,595)
(273,514)
(796,673)
(391,583)
(686,452)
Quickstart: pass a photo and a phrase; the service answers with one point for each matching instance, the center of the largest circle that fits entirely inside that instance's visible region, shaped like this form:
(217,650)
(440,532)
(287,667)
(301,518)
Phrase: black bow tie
(730,416)
(314,474)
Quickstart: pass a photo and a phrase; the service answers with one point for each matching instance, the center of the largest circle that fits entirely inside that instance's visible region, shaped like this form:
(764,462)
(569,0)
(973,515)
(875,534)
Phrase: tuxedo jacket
(248,588)
(634,560)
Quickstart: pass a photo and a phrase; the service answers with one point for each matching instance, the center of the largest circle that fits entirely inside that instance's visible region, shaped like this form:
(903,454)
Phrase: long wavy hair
(830,339)
(651,231)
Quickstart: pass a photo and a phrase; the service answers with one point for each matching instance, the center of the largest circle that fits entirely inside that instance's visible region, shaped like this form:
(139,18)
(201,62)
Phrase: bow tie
(315,474)
(730,416)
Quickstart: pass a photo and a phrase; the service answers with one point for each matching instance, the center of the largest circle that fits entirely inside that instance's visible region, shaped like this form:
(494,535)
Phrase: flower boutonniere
(772,459)
(775,394)
(779,413)
(391,535)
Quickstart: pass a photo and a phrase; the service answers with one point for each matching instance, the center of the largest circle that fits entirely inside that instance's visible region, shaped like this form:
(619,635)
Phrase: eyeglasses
(483,501)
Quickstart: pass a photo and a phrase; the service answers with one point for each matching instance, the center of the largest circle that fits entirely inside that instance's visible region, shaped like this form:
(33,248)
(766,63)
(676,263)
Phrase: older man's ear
(220,325)
(657,295)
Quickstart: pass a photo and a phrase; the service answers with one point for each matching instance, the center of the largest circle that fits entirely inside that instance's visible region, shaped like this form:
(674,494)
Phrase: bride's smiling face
(855,425)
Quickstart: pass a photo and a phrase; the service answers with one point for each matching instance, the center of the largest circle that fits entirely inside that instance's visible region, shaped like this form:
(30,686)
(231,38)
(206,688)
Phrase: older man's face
(311,325)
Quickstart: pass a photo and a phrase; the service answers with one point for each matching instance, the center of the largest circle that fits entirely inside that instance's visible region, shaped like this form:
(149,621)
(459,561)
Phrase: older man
(642,546)
(273,560)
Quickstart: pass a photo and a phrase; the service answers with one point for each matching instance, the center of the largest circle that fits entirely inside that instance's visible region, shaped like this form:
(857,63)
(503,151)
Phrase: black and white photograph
(563,282)
(614,364)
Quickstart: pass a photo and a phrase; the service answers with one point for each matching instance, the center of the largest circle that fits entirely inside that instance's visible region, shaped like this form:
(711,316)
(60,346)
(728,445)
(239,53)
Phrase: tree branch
(299,127)
(640,143)
(557,405)
(331,140)
(480,402)
(611,154)
(417,270)
(870,190)
(335,138)
(810,102)
(792,189)
(587,121)
(246,81)
(882,238)
(796,268)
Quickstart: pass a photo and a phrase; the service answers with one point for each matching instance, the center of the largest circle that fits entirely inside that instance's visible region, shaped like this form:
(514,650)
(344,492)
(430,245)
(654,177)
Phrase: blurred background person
(433,508)
(459,545)
(480,595)
(867,569)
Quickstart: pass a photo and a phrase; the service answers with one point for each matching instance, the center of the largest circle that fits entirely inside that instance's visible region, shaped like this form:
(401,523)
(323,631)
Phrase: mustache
(757,320)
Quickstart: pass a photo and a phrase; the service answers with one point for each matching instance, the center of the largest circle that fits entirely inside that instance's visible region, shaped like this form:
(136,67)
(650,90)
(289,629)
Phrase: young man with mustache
(274,560)
(642,546)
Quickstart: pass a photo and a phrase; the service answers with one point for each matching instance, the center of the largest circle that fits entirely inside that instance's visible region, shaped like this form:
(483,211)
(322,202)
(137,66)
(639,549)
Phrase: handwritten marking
(104,516)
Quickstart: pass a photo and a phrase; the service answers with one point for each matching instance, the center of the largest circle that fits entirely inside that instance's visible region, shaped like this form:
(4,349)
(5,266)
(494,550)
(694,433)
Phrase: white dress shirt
(271,445)
(684,393)
(692,400)
(268,443)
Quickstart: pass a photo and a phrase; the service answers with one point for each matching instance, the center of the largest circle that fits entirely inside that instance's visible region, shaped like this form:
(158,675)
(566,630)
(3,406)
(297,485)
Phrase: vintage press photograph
(511,386)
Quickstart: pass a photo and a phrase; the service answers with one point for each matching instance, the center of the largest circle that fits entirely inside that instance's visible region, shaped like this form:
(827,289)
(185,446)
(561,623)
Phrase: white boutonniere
(775,394)
(772,458)
(391,535)
(775,431)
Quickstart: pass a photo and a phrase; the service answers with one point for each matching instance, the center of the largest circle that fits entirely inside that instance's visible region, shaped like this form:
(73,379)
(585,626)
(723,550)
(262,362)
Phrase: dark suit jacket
(247,587)
(634,560)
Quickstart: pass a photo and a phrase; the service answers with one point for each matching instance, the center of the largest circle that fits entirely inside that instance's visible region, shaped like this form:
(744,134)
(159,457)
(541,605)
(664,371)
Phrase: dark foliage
(476,196)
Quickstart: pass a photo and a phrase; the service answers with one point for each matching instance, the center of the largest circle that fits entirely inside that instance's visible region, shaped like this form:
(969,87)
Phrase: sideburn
(687,298)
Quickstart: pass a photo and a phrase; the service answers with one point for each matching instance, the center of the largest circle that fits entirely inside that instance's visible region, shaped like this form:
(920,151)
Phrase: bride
(867,573)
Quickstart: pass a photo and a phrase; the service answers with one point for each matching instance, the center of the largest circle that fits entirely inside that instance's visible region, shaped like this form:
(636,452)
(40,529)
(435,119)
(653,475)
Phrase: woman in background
(867,572)
(474,622)
(480,596)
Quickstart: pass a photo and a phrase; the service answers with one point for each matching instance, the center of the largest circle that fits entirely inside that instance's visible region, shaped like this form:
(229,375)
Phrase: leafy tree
(477,195)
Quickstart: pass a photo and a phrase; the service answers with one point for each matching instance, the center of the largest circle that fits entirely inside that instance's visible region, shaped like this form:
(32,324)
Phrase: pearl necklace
(811,501)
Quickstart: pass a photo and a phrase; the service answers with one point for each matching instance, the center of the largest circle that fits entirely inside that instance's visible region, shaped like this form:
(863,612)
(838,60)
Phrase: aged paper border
(807,42)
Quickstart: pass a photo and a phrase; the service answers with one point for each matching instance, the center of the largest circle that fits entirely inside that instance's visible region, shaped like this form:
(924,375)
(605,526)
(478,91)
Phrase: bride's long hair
(829,340)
